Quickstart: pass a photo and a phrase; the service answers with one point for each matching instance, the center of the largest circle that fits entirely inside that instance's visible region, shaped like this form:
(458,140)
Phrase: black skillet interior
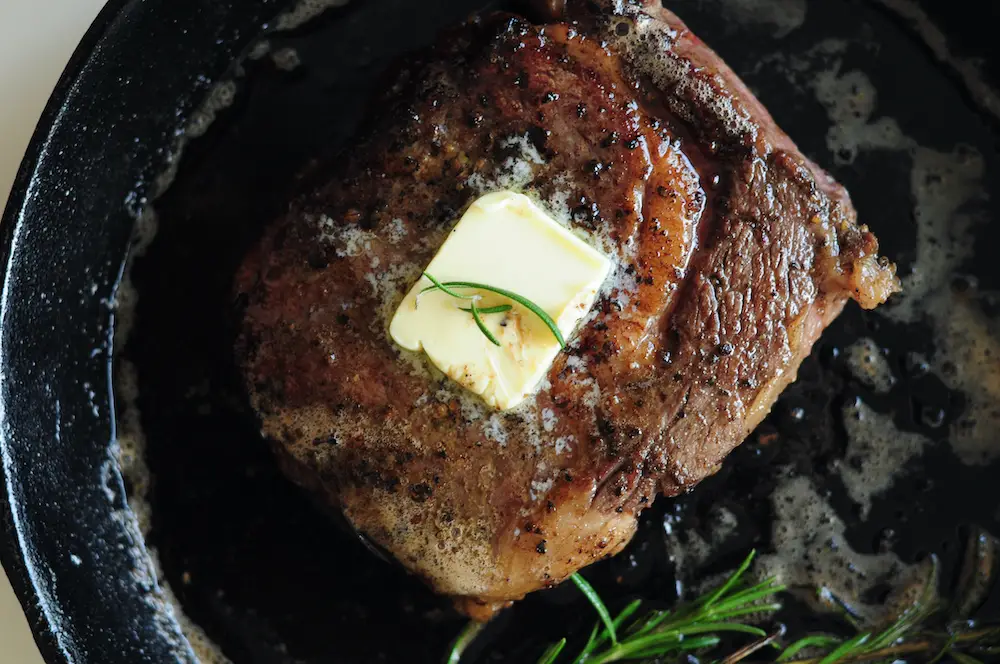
(268,576)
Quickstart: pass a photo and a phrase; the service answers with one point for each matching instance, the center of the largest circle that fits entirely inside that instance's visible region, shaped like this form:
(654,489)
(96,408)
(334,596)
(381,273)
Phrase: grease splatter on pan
(869,365)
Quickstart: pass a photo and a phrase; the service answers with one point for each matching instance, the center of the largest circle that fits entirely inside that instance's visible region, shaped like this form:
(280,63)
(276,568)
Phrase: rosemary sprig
(447,288)
(666,635)
(695,626)
(473,308)
(499,309)
(482,325)
(661,633)
(444,287)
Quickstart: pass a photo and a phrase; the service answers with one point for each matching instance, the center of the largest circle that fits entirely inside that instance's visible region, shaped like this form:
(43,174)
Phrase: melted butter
(305,11)
(506,241)
(876,451)
(968,360)
(812,553)
(286,59)
(869,365)
(781,17)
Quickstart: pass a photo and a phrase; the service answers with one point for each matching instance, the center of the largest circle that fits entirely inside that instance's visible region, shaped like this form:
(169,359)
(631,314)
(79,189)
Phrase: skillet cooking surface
(271,578)
(265,570)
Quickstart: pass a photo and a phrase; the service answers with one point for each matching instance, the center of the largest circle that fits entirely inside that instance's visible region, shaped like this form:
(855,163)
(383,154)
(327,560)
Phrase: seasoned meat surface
(732,252)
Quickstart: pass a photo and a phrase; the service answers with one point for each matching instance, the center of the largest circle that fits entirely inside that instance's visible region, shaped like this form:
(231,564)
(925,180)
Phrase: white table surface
(36,39)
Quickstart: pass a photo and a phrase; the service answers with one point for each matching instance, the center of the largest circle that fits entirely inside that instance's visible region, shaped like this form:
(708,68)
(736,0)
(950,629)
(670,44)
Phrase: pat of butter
(504,241)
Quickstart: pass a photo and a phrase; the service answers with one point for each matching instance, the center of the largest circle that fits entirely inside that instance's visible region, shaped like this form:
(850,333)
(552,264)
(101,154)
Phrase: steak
(731,250)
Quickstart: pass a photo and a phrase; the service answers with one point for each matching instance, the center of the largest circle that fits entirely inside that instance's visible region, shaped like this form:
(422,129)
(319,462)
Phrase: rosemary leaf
(462,641)
(550,655)
(945,649)
(499,309)
(845,649)
(439,286)
(597,637)
(731,581)
(739,628)
(595,599)
(697,643)
(747,597)
(747,611)
(813,641)
(627,612)
(652,622)
(482,325)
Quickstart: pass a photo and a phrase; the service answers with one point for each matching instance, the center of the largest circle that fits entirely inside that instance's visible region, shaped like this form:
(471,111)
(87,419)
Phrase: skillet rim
(13,558)
(138,72)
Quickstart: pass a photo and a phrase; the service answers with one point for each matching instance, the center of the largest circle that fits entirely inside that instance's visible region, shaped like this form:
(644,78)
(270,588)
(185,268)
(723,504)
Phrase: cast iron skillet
(81,570)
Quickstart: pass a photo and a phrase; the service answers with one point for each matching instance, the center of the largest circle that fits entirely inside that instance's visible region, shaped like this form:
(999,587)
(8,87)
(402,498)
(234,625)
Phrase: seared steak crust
(732,253)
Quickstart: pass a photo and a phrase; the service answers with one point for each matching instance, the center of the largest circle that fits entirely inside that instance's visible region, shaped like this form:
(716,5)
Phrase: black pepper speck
(420,492)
